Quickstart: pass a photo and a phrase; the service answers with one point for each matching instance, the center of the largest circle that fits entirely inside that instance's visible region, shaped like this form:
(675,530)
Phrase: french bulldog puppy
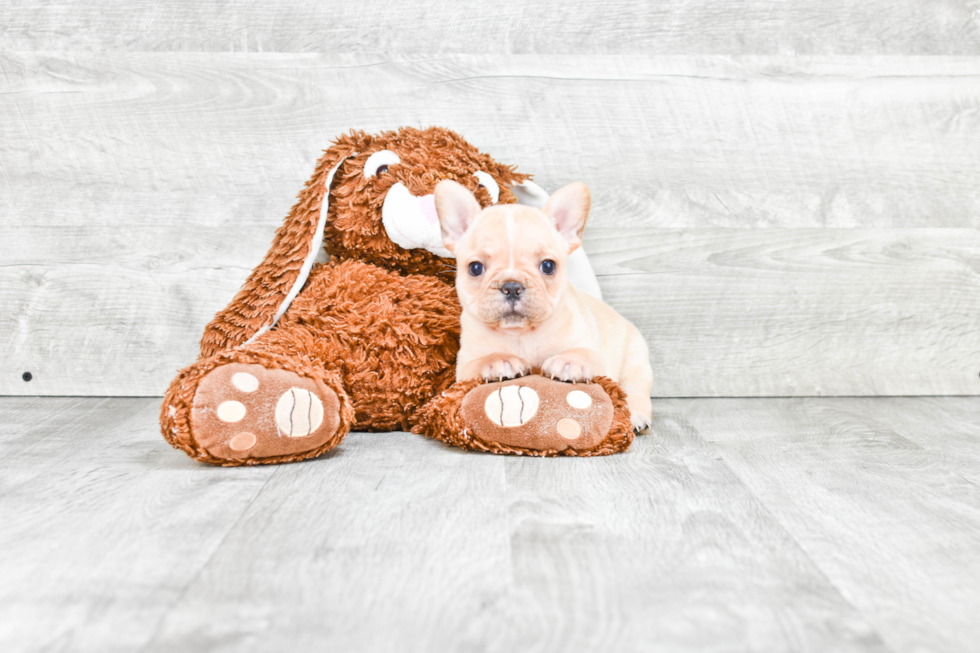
(520,311)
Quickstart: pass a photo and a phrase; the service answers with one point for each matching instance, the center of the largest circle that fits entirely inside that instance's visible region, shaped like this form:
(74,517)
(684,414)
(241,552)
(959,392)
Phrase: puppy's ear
(568,209)
(456,208)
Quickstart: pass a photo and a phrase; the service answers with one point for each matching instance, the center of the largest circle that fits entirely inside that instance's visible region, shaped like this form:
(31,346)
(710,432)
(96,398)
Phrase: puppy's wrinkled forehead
(513,230)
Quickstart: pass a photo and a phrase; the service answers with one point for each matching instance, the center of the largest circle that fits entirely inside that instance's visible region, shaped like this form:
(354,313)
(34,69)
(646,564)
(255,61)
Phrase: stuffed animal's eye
(548,266)
(488,182)
(378,163)
(476,269)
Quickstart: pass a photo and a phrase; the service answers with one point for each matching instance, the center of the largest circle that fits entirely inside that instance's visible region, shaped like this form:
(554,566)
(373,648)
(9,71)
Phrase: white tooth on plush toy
(411,222)
(489,183)
(530,193)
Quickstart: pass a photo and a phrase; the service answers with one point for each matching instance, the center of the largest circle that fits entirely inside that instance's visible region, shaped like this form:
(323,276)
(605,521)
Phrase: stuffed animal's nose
(512,290)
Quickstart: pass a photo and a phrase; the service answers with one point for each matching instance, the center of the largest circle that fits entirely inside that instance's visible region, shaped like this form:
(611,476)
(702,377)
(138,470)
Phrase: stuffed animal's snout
(411,221)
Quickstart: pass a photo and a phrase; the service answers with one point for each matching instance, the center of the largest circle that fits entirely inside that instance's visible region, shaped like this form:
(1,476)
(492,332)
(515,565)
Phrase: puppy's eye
(548,266)
(378,163)
(476,269)
(488,182)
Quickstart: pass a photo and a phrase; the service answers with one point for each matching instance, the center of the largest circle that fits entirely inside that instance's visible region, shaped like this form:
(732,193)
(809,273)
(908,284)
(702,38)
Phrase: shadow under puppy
(519,309)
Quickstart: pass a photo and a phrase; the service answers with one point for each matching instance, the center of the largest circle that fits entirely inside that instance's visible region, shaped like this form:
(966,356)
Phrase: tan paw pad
(242,441)
(245,382)
(231,411)
(538,414)
(569,428)
(243,411)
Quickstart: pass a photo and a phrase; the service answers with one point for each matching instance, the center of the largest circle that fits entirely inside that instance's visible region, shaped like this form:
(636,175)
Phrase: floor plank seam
(806,554)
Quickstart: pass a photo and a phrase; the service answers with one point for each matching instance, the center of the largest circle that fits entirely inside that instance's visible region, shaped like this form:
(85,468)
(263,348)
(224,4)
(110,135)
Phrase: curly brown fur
(354,229)
(392,338)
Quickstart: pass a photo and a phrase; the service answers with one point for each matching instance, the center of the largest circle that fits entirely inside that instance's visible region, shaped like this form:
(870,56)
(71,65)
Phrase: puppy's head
(511,260)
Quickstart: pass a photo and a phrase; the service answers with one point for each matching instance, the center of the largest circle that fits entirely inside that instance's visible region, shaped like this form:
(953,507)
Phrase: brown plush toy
(305,352)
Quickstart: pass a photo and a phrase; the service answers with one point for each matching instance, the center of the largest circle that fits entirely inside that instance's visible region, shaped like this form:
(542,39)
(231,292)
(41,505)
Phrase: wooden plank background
(503,27)
(785,197)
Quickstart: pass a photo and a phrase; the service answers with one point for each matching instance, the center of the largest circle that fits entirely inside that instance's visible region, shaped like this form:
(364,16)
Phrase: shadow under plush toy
(305,352)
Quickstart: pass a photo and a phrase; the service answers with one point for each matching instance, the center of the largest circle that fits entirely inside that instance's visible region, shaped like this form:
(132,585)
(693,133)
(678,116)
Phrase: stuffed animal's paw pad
(247,411)
(538,414)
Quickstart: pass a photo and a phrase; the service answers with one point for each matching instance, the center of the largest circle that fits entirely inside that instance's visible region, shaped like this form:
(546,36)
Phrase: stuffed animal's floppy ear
(568,209)
(456,208)
(274,283)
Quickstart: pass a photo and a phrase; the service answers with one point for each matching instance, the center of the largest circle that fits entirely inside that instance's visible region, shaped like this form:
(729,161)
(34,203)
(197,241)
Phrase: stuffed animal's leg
(532,416)
(255,405)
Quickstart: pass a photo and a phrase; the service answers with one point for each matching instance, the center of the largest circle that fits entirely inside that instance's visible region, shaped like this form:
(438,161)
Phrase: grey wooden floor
(740,524)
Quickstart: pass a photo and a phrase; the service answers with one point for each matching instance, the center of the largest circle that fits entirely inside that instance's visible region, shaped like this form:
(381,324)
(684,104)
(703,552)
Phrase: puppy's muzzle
(512,291)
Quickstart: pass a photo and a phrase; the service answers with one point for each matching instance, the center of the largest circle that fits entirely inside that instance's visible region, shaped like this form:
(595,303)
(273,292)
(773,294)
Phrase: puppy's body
(586,338)
(520,311)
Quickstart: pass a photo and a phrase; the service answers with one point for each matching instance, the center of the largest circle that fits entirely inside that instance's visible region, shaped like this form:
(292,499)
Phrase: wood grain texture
(508,26)
(724,312)
(661,549)
(103,525)
(139,188)
(848,142)
(738,524)
(392,536)
(869,489)
(804,312)
(500,554)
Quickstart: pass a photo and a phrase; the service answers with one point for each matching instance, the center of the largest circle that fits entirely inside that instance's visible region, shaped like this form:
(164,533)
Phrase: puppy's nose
(512,290)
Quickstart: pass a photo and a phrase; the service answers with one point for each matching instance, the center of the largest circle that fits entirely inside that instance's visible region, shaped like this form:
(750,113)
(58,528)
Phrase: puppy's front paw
(503,366)
(568,367)
(640,422)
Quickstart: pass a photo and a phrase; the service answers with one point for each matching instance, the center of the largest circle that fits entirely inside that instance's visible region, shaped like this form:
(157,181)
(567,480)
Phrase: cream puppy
(519,310)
